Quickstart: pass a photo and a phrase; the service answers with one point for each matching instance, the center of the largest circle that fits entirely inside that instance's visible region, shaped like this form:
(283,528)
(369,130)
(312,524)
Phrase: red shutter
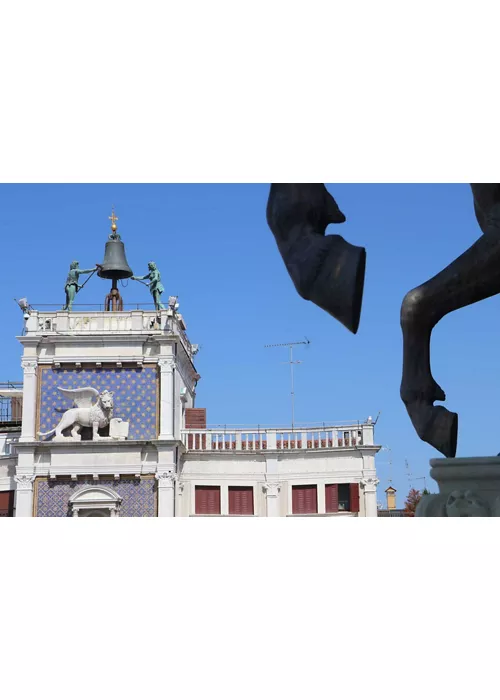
(240,500)
(6,504)
(207,500)
(354,494)
(332,498)
(304,499)
(196,418)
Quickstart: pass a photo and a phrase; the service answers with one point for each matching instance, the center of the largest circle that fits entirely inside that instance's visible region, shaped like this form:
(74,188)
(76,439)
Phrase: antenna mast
(291,362)
(409,474)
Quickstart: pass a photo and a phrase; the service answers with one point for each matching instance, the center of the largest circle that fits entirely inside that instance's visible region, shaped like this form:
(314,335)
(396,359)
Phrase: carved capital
(370,483)
(166,365)
(166,478)
(24,481)
(271,489)
(29,366)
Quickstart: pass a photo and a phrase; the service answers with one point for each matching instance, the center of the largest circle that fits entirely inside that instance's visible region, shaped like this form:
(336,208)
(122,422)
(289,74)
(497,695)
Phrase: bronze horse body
(329,271)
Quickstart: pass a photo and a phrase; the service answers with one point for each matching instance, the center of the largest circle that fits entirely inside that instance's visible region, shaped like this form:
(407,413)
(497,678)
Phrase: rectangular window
(207,500)
(304,499)
(6,504)
(331,498)
(240,500)
(344,497)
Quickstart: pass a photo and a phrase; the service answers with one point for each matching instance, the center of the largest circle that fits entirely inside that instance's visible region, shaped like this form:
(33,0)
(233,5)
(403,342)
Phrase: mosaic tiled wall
(139,496)
(135,393)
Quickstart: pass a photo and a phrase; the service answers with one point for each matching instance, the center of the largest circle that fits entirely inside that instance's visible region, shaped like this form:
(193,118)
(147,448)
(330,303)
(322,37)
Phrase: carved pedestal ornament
(468,488)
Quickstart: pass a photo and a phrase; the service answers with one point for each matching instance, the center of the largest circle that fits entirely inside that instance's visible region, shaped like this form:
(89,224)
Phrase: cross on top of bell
(113,219)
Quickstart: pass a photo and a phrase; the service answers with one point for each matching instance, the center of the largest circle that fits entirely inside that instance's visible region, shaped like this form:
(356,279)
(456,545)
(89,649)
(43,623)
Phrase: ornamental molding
(166,365)
(29,366)
(271,489)
(24,481)
(166,478)
(370,483)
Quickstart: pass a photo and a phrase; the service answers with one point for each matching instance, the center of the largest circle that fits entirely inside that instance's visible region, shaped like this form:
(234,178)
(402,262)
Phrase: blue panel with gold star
(134,395)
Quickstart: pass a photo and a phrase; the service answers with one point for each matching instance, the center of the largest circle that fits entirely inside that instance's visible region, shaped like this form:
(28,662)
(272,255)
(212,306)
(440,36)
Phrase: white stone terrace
(53,322)
(302,439)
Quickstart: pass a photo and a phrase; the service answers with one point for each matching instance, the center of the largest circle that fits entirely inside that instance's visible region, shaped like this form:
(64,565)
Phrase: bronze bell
(115,265)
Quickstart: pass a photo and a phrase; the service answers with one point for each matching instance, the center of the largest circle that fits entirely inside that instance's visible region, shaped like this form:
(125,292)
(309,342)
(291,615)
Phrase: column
(370,495)
(24,495)
(29,400)
(166,399)
(166,491)
(272,491)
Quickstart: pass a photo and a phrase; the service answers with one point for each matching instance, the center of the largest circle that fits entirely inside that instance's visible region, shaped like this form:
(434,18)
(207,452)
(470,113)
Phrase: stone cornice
(93,446)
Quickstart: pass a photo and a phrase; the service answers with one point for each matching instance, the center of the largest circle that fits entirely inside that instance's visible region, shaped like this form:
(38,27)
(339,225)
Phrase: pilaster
(29,400)
(369,485)
(24,495)
(166,493)
(272,491)
(166,366)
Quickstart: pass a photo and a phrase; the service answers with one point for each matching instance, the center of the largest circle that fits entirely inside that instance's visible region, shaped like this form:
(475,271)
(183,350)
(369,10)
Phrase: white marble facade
(169,463)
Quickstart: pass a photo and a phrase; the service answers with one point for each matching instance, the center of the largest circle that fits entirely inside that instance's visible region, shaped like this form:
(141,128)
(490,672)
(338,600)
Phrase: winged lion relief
(91,409)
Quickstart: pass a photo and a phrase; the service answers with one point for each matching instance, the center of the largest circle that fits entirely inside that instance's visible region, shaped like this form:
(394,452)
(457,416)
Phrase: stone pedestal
(469,487)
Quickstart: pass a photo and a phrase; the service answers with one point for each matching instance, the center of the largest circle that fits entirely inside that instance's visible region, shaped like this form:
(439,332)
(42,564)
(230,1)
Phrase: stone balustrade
(47,323)
(299,439)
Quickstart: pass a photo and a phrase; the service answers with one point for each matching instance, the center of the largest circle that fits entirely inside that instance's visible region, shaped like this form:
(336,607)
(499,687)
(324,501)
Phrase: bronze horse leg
(326,270)
(473,276)
(330,272)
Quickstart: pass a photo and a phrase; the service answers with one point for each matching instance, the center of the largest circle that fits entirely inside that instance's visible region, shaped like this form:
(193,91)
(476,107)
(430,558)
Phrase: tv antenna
(291,362)
(409,474)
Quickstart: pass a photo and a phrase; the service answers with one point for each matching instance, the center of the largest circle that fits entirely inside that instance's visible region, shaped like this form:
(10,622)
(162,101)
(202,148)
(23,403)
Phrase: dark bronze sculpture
(330,272)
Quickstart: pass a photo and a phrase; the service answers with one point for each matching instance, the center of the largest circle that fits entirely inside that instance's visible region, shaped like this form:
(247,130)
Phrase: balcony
(11,404)
(304,439)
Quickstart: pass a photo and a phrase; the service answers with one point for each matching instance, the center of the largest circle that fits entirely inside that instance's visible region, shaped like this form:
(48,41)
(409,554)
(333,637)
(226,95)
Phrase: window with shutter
(354,493)
(331,498)
(195,418)
(304,499)
(207,500)
(240,500)
(6,504)
(344,496)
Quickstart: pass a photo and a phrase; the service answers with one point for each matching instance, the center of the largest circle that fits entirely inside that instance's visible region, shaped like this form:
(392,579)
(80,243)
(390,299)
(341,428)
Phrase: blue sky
(214,250)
